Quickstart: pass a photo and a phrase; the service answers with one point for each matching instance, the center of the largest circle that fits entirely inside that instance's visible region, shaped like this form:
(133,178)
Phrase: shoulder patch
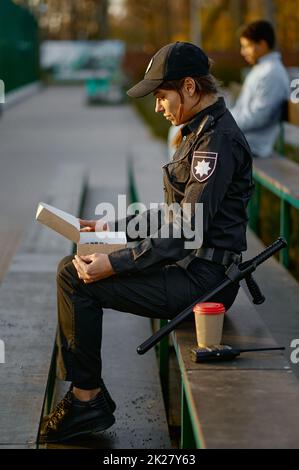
(203,165)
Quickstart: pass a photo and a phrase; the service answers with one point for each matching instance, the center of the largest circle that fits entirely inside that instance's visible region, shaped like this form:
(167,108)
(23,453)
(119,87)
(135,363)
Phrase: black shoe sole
(68,436)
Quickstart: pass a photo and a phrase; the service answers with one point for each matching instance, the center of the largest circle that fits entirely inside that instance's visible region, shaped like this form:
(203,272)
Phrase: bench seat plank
(281,173)
(246,408)
(250,402)
(28,326)
(243,328)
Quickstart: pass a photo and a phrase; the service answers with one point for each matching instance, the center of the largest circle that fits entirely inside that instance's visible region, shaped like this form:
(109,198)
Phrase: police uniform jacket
(213,166)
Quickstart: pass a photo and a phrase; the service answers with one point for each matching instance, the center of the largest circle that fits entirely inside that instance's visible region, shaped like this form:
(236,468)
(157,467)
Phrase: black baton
(234,273)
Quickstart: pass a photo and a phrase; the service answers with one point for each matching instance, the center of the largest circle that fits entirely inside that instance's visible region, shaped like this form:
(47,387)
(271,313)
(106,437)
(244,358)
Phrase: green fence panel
(19,46)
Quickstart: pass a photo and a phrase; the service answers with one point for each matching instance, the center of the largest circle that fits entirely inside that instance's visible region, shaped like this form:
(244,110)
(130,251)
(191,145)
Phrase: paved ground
(280,311)
(55,126)
(9,241)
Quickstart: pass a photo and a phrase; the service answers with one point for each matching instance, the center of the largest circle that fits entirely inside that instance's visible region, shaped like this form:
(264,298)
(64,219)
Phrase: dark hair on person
(205,85)
(258,31)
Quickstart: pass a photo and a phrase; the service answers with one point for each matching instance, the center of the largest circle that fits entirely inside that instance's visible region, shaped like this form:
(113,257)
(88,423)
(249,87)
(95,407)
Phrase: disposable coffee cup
(209,323)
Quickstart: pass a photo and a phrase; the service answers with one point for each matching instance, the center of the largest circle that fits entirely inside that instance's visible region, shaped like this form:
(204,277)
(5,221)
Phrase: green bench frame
(277,183)
(203,423)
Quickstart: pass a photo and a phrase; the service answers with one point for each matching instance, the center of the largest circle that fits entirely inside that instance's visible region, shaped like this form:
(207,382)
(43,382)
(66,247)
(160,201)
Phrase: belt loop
(219,256)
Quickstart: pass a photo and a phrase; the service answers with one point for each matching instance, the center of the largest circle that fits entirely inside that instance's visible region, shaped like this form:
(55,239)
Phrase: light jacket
(258,108)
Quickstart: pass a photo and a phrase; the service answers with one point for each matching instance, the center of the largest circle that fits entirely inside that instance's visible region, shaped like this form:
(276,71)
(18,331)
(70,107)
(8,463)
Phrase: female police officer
(159,276)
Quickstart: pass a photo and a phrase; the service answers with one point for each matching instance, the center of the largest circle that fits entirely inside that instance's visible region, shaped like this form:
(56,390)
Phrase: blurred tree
(148,23)
(255,10)
(70,19)
(237,11)
(270,11)
(218,26)
(145,25)
(103,18)
(195,22)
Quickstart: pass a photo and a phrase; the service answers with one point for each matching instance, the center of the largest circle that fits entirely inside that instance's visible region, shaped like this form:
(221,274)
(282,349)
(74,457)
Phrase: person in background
(258,109)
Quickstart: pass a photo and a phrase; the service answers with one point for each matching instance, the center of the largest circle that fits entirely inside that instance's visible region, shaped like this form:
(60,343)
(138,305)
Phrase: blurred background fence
(19,46)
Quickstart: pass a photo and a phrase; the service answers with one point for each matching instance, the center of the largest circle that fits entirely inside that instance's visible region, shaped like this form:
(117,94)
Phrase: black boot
(108,397)
(72,418)
(111,403)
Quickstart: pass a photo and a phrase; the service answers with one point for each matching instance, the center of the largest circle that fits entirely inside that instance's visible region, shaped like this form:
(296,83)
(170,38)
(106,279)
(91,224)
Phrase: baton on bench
(234,273)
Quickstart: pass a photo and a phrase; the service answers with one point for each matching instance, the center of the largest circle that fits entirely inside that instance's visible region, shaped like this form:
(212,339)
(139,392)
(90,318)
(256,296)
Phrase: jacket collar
(216,110)
(273,55)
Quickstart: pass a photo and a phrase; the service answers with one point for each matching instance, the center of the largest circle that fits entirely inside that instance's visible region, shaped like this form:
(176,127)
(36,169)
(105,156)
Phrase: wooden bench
(258,392)
(251,402)
(280,176)
(289,116)
(247,403)
(28,318)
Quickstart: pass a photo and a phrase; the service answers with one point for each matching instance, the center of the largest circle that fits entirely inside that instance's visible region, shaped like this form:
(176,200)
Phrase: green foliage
(19,55)
(292,152)
(269,221)
(226,73)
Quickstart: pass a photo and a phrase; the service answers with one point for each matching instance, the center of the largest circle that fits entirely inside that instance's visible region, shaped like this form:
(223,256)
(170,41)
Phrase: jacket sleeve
(138,227)
(168,243)
(264,106)
(211,192)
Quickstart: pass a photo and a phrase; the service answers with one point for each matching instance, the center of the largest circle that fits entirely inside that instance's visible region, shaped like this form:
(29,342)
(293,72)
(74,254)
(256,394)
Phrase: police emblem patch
(203,165)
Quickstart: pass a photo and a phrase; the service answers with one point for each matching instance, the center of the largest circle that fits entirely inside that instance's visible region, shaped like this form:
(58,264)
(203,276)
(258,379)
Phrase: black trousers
(159,292)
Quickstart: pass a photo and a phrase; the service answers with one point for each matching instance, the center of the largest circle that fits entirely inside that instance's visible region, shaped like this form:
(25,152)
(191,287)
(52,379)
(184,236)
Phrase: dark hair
(258,31)
(205,85)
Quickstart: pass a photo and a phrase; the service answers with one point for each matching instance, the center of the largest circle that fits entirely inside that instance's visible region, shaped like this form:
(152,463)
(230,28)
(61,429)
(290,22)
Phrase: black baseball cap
(173,61)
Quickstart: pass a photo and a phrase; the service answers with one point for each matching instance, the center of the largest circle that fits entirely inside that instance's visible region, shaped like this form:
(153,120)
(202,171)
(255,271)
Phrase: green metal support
(164,367)
(286,202)
(254,208)
(187,436)
(285,230)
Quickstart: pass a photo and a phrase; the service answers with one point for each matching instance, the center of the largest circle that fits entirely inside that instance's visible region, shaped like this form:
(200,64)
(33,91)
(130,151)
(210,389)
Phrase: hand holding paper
(93,225)
(87,225)
(92,268)
(94,238)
